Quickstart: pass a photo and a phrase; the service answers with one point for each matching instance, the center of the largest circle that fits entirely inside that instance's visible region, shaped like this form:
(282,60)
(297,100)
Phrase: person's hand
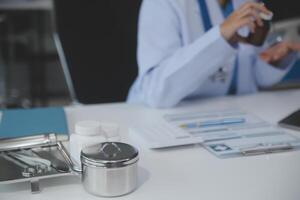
(246,15)
(276,53)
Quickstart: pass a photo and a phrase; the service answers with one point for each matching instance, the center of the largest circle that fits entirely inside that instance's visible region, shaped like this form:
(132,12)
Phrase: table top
(189,172)
(25,5)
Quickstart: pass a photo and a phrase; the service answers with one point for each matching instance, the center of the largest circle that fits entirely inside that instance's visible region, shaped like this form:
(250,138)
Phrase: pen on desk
(221,122)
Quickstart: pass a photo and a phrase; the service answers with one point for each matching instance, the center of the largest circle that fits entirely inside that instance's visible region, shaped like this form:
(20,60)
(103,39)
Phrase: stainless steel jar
(109,169)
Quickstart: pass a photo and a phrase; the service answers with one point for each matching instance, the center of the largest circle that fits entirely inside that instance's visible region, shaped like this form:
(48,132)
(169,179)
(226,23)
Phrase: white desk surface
(189,172)
(25,5)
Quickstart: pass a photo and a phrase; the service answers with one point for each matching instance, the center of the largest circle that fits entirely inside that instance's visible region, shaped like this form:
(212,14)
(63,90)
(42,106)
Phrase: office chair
(96,42)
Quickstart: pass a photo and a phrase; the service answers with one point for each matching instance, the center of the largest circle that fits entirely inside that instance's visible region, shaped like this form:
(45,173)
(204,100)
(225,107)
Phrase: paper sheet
(231,132)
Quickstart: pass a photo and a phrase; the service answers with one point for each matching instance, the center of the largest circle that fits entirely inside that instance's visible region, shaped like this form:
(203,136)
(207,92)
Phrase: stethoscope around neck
(222,74)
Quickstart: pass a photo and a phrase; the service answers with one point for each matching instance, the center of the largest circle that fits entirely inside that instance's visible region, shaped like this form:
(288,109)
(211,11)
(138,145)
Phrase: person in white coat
(191,49)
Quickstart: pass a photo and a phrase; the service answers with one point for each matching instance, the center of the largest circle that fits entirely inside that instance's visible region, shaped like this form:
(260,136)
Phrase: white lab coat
(177,58)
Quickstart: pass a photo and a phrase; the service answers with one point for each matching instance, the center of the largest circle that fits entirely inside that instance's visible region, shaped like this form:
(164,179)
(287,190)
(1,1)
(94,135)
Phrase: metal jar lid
(109,155)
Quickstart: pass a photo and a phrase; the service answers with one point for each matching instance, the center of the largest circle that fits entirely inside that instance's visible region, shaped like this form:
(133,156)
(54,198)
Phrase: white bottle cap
(78,142)
(266,16)
(88,128)
(109,129)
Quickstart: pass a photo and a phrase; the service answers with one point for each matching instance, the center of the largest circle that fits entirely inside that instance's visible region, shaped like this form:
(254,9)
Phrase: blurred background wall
(31,73)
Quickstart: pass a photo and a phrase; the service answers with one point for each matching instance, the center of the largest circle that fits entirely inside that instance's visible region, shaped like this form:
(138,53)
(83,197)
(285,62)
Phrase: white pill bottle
(89,133)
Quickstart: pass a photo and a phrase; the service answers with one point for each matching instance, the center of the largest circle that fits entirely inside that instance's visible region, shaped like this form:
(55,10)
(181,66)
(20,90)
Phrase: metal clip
(266,148)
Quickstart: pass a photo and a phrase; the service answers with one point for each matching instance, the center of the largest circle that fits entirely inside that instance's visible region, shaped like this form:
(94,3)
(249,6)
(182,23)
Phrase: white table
(190,172)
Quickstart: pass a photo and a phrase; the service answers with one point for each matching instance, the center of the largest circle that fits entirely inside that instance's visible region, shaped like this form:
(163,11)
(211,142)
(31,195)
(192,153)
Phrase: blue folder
(28,122)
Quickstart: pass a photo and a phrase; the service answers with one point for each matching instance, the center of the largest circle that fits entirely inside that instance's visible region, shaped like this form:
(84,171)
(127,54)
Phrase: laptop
(292,121)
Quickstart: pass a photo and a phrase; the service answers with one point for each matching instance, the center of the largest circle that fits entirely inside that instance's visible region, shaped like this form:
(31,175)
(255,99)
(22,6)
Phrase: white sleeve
(268,75)
(169,71)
